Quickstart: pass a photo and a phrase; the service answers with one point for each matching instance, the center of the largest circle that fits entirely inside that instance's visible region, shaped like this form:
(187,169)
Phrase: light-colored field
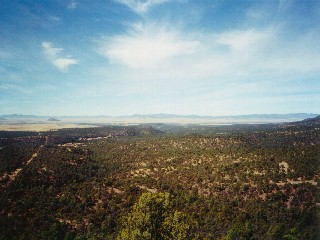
(44,124)
(38,127)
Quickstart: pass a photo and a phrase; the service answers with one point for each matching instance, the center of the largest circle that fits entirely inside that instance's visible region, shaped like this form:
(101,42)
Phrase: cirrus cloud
(73,4)
(53,54)
(141,6)
(154,51)
(146,46)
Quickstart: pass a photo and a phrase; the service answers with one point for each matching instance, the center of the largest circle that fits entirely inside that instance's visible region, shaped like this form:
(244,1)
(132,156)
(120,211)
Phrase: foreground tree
(153,217)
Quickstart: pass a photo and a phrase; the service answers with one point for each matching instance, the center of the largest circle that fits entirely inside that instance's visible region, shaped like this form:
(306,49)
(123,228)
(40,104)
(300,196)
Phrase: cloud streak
(146,46)
(54,56)
(73,4)
(235,53)
(141,6)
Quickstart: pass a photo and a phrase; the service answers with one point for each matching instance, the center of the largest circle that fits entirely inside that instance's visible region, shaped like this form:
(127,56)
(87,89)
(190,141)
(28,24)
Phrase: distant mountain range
(18,116)
(291,116)
(165,115)
(249,117)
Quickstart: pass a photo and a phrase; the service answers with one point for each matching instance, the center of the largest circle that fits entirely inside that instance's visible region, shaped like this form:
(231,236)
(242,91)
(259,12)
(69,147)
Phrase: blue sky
(119,57)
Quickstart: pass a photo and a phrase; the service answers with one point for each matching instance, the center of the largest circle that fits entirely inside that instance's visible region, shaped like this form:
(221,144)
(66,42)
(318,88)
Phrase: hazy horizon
(169,114)
(187,57)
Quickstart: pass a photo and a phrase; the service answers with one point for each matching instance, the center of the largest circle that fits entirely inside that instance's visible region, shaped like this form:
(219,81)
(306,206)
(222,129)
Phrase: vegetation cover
(162,182)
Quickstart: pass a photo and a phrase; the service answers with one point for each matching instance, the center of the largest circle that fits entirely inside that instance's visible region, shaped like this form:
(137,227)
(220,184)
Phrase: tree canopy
(153,217)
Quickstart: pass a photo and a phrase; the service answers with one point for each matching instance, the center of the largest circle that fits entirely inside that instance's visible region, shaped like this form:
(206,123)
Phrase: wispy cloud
(73,4)
(146,46)
(173,55)
(54,19)
(243,40)
(141,6)
(53,54)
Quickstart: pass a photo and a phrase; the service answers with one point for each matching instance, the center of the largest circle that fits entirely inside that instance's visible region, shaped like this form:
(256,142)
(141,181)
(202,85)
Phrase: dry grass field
(40,125)
(45,123)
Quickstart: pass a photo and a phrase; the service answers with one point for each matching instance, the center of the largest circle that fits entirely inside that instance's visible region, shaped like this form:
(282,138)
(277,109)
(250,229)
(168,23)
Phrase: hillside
(229,182)
(315,120)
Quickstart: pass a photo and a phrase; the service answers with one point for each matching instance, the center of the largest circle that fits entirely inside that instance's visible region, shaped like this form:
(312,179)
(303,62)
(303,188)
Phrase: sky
(122,57)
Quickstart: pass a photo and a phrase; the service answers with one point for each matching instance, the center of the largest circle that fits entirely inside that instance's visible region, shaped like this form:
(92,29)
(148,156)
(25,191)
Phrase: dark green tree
(153,217)
(240,232)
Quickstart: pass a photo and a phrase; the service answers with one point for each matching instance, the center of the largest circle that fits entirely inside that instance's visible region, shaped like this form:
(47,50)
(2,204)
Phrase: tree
(275,232)
(153,217)
(240,231)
